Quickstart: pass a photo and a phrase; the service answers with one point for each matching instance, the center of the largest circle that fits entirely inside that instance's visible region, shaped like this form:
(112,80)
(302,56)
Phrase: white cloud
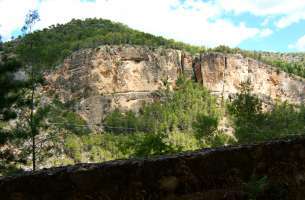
(299,45)
(266,21)
(12,13)
(265,32)
(263,7)
(287,20)
(195,22)
(288,11)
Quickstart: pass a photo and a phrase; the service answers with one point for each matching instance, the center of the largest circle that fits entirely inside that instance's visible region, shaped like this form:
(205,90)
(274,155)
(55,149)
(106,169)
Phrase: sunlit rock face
(102,79)
(223,74)
(96,81)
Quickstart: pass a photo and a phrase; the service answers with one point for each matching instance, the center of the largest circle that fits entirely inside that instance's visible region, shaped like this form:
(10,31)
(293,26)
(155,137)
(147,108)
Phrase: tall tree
(39,116)
(248,117)
(253,124)
(30,59)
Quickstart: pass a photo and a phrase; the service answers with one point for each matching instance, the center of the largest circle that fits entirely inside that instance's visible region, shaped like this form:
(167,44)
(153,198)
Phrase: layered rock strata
(222,74)
(99,80)
(102,79)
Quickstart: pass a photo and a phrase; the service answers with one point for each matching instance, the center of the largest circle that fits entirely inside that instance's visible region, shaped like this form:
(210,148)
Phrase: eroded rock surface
(211,174)
(99,80)
(123,77)
(223,73)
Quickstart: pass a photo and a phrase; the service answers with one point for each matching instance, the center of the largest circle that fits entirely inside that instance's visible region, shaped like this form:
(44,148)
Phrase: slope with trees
(50,134)
(59,41)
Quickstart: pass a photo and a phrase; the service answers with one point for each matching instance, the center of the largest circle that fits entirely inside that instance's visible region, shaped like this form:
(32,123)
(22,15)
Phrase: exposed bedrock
(223,73)
(101,79)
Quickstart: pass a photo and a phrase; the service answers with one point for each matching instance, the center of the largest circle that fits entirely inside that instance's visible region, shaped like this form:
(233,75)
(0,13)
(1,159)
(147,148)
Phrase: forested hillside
(39,130)
(59,41)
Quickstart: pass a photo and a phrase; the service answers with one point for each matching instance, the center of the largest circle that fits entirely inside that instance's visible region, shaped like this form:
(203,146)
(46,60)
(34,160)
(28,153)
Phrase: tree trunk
(32,122)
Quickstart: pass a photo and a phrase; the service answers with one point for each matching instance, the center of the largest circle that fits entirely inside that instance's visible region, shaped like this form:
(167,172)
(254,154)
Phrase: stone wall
(212,174)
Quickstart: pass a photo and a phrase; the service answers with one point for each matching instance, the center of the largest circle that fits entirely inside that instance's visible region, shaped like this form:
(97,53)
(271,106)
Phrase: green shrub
(73,148)
(205,125)
(252,124)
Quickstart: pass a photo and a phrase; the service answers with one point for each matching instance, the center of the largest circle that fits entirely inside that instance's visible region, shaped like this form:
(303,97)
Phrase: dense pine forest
(58,41)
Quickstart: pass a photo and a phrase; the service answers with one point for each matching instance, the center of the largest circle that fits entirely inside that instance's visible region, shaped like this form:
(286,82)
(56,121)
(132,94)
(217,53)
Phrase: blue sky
(271,25)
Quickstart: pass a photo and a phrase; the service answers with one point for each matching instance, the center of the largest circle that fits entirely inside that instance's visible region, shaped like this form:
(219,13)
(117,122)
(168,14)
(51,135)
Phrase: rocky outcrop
(223,73)
(214,174)
(101,79)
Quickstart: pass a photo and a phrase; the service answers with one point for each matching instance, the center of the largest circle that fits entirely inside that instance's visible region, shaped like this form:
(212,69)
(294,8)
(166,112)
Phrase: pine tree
(246,110)
(30,58)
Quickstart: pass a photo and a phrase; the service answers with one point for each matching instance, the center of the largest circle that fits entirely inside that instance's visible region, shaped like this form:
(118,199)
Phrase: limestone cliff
(101,79)
(223,73)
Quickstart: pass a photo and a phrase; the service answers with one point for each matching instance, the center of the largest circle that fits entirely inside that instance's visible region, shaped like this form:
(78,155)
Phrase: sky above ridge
(271,25)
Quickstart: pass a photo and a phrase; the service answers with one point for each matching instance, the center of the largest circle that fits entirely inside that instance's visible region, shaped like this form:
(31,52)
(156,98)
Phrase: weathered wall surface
(124,77)
(215,174)
(223,73)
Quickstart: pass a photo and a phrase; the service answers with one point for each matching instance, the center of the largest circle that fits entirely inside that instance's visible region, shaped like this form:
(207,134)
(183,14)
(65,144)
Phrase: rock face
(215,174)
(123,77)
(223,73)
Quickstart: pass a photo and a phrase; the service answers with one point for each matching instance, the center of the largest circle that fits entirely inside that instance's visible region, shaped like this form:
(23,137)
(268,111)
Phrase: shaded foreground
(272,170)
